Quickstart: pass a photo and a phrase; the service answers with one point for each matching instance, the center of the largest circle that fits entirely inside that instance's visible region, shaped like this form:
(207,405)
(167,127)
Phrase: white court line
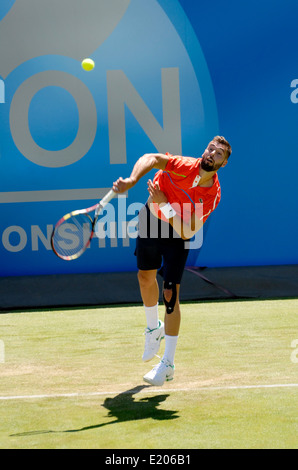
(146,390)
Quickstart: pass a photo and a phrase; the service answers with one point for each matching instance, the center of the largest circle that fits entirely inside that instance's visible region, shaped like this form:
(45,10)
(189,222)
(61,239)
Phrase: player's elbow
(149,160)
(158,161)
(189,231)
(187,235)
(186,232)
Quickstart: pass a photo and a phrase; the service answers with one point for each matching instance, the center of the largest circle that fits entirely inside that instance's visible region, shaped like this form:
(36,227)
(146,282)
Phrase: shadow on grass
(124,408)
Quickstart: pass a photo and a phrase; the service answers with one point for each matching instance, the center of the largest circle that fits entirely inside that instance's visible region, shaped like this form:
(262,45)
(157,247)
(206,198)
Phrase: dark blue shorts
(159,247)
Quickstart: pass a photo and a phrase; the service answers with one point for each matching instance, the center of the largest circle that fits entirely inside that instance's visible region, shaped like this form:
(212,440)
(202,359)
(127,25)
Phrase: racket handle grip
(107,198)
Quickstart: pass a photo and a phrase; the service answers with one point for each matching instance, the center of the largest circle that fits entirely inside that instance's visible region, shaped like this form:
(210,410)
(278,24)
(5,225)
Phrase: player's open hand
(155,192)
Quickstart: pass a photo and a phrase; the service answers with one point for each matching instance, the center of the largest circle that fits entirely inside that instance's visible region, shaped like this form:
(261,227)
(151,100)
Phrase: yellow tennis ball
(88,64)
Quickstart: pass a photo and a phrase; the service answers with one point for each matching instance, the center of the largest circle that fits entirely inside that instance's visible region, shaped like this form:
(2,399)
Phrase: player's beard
(208,164)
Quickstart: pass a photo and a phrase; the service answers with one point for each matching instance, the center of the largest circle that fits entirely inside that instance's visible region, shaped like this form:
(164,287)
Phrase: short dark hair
(221,140)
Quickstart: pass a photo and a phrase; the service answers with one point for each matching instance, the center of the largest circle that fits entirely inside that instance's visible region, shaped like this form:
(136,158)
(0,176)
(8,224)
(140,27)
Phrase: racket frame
(97,208)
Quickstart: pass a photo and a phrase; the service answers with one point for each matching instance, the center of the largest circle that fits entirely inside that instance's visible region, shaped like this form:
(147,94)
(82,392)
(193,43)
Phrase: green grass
(96,354)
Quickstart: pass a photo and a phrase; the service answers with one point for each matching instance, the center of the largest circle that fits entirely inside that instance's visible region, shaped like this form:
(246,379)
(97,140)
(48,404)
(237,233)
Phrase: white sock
(170,348)
(152,316)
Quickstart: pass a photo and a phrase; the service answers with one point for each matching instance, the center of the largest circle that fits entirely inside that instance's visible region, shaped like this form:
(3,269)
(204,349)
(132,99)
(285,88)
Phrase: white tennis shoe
(152,341)
(163,372)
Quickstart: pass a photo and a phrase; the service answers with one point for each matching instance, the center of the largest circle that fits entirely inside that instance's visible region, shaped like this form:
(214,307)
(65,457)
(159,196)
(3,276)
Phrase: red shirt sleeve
(180,166)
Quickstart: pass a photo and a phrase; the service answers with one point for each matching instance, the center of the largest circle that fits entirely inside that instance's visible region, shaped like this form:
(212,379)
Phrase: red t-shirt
(179,181)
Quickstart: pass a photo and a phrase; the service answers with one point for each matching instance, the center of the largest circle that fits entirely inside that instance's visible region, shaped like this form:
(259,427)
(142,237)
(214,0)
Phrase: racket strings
(72,236)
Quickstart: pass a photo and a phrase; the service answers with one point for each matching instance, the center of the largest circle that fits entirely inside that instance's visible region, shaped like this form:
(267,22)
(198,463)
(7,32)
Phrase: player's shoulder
(183,161)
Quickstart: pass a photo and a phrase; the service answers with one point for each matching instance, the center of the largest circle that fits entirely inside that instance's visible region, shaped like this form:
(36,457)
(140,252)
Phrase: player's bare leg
(173,320)
(148,287)
(154,332)
(164,371)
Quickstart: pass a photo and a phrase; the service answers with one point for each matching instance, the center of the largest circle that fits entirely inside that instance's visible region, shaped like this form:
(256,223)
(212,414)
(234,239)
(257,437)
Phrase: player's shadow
(124,408)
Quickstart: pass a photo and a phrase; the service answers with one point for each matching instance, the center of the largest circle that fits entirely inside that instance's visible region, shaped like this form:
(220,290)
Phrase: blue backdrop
(169,76)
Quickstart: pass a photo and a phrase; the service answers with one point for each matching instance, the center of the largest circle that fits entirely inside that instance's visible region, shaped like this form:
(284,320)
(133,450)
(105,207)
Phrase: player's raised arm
(144,165)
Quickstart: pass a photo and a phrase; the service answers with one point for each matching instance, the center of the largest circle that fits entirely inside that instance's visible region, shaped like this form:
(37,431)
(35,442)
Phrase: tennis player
(183,194)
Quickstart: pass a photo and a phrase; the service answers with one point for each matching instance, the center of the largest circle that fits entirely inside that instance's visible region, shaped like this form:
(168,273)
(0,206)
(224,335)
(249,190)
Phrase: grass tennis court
(75,379)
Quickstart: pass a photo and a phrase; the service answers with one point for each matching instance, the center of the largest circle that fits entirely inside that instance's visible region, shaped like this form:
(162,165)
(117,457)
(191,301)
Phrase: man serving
(182,195)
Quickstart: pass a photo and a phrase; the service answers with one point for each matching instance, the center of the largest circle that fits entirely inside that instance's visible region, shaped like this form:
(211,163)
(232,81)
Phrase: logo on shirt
(196,181)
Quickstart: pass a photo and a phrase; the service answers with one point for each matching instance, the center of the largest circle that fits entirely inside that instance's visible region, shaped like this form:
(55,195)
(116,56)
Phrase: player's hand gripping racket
(73,233)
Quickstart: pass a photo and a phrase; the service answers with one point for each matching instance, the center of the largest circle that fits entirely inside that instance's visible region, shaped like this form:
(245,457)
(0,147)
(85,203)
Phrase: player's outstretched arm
(144,165)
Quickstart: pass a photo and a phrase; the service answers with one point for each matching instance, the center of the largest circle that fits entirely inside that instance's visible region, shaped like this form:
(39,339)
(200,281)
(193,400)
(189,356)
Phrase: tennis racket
(73,233)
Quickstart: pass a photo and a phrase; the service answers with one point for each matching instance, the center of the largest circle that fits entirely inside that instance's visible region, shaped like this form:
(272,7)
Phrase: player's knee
(170,296)
(146,278)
